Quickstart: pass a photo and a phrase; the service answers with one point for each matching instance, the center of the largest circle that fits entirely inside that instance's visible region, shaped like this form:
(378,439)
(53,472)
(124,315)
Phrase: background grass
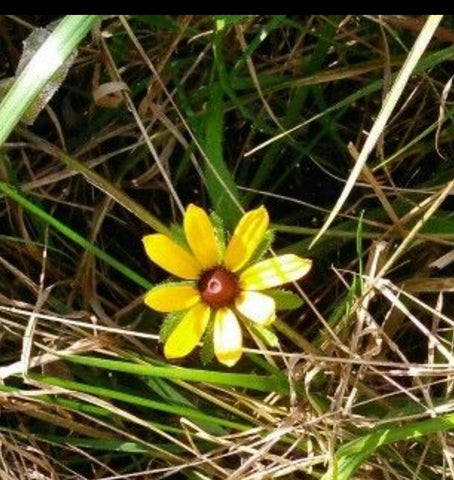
(228,112)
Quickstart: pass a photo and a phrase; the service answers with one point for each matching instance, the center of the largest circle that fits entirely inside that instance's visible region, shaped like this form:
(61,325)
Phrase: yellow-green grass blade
(49,57)
(268,383)
(132,399)
(349,457)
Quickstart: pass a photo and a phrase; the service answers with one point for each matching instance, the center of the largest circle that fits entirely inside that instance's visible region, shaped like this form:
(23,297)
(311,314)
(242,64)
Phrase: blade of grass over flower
(75,237)
(269,383)
(349,457)
(225,86)
(53,52)
(388,106)
(204,142)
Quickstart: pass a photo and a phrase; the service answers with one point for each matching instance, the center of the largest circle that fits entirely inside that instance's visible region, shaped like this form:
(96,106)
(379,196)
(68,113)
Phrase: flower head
(221,285)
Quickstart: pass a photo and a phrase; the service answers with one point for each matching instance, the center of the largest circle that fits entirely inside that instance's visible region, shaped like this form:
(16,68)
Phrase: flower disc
(218,287)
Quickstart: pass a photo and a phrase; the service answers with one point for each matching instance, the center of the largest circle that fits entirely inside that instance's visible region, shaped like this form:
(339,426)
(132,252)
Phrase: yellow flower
(222,286)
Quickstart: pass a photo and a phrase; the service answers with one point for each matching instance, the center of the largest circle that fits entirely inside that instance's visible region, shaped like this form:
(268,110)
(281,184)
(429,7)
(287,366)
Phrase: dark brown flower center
(218,287)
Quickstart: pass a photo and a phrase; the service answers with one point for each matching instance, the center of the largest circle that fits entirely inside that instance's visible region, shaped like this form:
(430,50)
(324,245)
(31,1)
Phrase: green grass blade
(219,181)
(75,237)
(350,456)
(136,400)
(242,380)
(53,52)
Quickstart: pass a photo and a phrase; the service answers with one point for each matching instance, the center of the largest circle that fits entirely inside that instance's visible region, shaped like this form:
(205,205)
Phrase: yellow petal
(199,233)
(228,340)
(171,257)
(257,307)
(169,298)
(188,332)
(246,238)
(275,271)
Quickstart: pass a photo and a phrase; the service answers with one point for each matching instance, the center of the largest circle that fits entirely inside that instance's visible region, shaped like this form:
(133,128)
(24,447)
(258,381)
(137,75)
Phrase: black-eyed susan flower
(220,284)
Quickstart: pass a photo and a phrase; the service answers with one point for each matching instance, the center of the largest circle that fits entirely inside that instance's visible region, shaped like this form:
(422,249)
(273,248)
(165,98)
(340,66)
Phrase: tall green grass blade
(53,52)
(219,181)
(255,382)
(75,237)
